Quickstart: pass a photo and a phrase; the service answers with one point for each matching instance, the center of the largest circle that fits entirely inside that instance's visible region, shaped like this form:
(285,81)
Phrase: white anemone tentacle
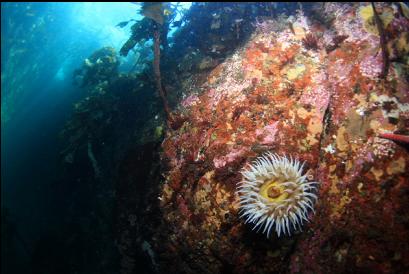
(275,195)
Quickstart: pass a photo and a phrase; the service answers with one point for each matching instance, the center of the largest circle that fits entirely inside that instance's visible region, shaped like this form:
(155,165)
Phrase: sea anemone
(273,192)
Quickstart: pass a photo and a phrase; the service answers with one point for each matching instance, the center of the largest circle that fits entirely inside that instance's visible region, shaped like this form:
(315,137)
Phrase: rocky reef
(310,87)
(311,84)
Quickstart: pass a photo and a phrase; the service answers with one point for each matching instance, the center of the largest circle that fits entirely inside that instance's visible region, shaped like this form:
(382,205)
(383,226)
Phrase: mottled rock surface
(324,105)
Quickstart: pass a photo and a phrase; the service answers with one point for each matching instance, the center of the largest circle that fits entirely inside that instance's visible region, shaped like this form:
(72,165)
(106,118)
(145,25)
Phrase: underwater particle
(274,193)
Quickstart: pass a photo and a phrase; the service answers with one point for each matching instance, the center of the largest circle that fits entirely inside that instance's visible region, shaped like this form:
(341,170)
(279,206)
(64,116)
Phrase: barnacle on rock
(274,193)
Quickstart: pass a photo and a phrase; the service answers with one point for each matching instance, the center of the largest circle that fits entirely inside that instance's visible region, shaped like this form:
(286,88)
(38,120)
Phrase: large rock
(319,101)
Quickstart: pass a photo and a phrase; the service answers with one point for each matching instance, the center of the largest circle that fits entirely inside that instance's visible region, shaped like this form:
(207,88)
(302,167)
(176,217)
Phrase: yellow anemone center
(273,192)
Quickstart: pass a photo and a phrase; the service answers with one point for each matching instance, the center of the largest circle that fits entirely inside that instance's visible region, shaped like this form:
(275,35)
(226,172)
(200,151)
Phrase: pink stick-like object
(395,137)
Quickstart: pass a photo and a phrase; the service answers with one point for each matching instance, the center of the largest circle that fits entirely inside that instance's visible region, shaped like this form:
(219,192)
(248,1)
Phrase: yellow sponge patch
(367,15)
